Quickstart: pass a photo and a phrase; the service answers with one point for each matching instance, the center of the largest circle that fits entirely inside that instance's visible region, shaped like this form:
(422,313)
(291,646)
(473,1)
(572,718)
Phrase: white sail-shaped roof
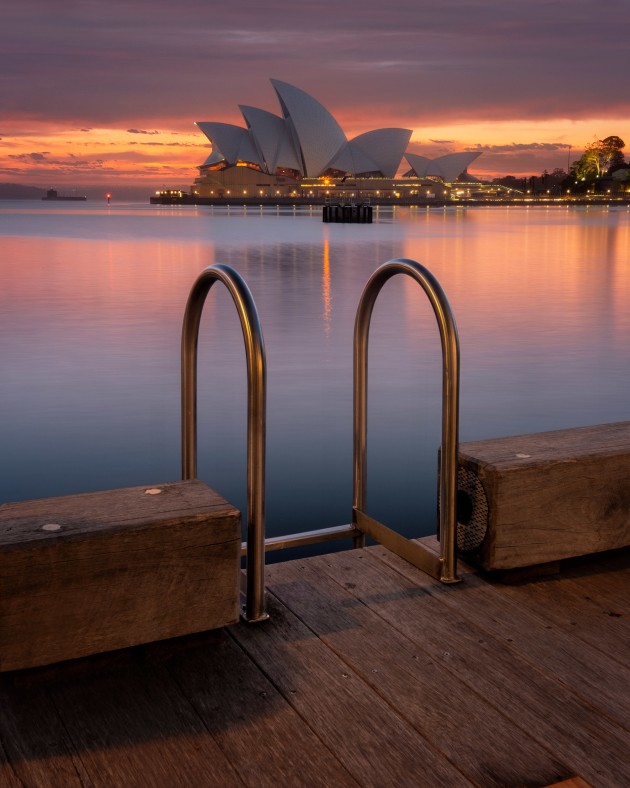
(287,155)
(318,134)
(352,160)
(448,167)
(233,142)
(308,140)
(216,157)
(385,147)
(272,137)
(378,151)
(419,164)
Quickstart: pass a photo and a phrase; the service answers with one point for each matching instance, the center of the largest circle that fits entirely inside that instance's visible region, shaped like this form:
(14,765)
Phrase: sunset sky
(106,92)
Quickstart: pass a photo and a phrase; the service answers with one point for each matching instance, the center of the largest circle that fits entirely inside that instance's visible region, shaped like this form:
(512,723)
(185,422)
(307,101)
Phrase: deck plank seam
(8,763)
(372,688)
(600,595)
(279,690)
(73,750)
(542,742)
(200,718)
(287,700)
(369,688)
(589,690)
(585,703)
(578,632)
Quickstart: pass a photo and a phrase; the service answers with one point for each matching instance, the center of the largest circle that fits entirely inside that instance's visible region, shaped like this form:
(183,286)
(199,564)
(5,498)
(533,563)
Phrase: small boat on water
(52,194)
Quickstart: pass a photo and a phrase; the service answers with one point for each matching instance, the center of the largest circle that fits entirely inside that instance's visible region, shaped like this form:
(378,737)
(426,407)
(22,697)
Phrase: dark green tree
(615,146)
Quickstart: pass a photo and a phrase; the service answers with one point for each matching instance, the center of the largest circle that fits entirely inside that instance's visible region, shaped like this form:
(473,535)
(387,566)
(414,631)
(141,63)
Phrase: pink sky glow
(106,93)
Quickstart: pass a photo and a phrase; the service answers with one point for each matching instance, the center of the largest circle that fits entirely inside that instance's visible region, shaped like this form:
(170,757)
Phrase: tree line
(593,171)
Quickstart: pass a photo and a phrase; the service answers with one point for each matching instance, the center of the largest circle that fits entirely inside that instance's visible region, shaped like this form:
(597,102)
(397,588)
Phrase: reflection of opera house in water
(304,152)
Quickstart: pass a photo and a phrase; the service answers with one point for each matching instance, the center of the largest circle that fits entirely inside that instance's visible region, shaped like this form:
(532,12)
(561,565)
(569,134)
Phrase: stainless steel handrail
(255,605)
(446,570)
(305,538)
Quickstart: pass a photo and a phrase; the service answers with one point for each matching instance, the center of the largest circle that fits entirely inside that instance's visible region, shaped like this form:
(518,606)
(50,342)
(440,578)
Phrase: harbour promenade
(367,673)
(240,200)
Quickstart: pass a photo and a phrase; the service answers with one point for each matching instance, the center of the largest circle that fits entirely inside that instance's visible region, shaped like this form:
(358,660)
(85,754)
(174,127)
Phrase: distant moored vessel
(52,194)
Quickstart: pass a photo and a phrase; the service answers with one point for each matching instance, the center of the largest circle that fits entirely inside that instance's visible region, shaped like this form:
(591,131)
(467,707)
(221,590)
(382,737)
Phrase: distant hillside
(14,191)
(118,192)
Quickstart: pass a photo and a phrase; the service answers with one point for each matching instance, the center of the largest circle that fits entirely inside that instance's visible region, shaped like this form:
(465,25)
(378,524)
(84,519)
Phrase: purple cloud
(30,156)
(519,147)
(71,163)
(437,59)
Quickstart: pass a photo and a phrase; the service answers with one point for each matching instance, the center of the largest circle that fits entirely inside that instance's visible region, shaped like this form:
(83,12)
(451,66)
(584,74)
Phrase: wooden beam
(88,573)
(539,498)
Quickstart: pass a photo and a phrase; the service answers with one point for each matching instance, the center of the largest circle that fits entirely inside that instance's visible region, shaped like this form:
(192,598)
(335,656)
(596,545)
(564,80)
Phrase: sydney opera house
(304,151)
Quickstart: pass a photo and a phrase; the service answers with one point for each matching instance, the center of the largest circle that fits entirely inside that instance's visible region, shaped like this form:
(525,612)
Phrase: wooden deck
(368,673)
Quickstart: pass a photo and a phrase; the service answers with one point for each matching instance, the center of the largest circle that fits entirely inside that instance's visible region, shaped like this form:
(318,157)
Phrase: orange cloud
(80,157)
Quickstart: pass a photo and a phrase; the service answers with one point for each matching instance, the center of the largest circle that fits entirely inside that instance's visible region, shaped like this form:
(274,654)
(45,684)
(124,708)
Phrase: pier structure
(389,200)
(123,662)
(350,213)
(368,672)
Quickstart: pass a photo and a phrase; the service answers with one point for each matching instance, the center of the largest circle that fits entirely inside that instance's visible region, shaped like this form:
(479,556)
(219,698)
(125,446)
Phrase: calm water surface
(91,304)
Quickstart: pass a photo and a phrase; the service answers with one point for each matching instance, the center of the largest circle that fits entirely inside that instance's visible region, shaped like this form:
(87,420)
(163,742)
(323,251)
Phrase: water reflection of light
(326,285)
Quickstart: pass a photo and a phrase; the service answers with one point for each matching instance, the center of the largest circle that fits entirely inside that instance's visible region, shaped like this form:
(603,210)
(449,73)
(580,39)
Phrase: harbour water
(91,303)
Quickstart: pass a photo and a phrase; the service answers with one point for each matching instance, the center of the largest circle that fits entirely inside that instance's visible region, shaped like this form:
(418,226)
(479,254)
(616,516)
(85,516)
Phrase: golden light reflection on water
(65,272)
(508,285)
(326,297)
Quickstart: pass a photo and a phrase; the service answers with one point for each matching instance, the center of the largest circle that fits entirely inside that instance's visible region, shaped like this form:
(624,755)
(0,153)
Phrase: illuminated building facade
(305,149)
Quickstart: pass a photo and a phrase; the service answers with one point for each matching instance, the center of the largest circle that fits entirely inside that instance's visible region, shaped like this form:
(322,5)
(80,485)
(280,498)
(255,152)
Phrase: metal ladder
(444,567)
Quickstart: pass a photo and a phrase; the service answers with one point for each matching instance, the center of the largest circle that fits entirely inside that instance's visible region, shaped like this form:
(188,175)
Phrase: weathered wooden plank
(120,719)
(555,446)
(374,743)
(560,601)
(257,729)
(124,509)
(102,571)
(589,672)
(542,706)
(605,578)
(133,726)
(8,776)
(37,746)
(437,704)
(549,495)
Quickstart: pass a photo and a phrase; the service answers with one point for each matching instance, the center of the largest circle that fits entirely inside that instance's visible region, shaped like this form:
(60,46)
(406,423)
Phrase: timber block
(83,574)
(539,498)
